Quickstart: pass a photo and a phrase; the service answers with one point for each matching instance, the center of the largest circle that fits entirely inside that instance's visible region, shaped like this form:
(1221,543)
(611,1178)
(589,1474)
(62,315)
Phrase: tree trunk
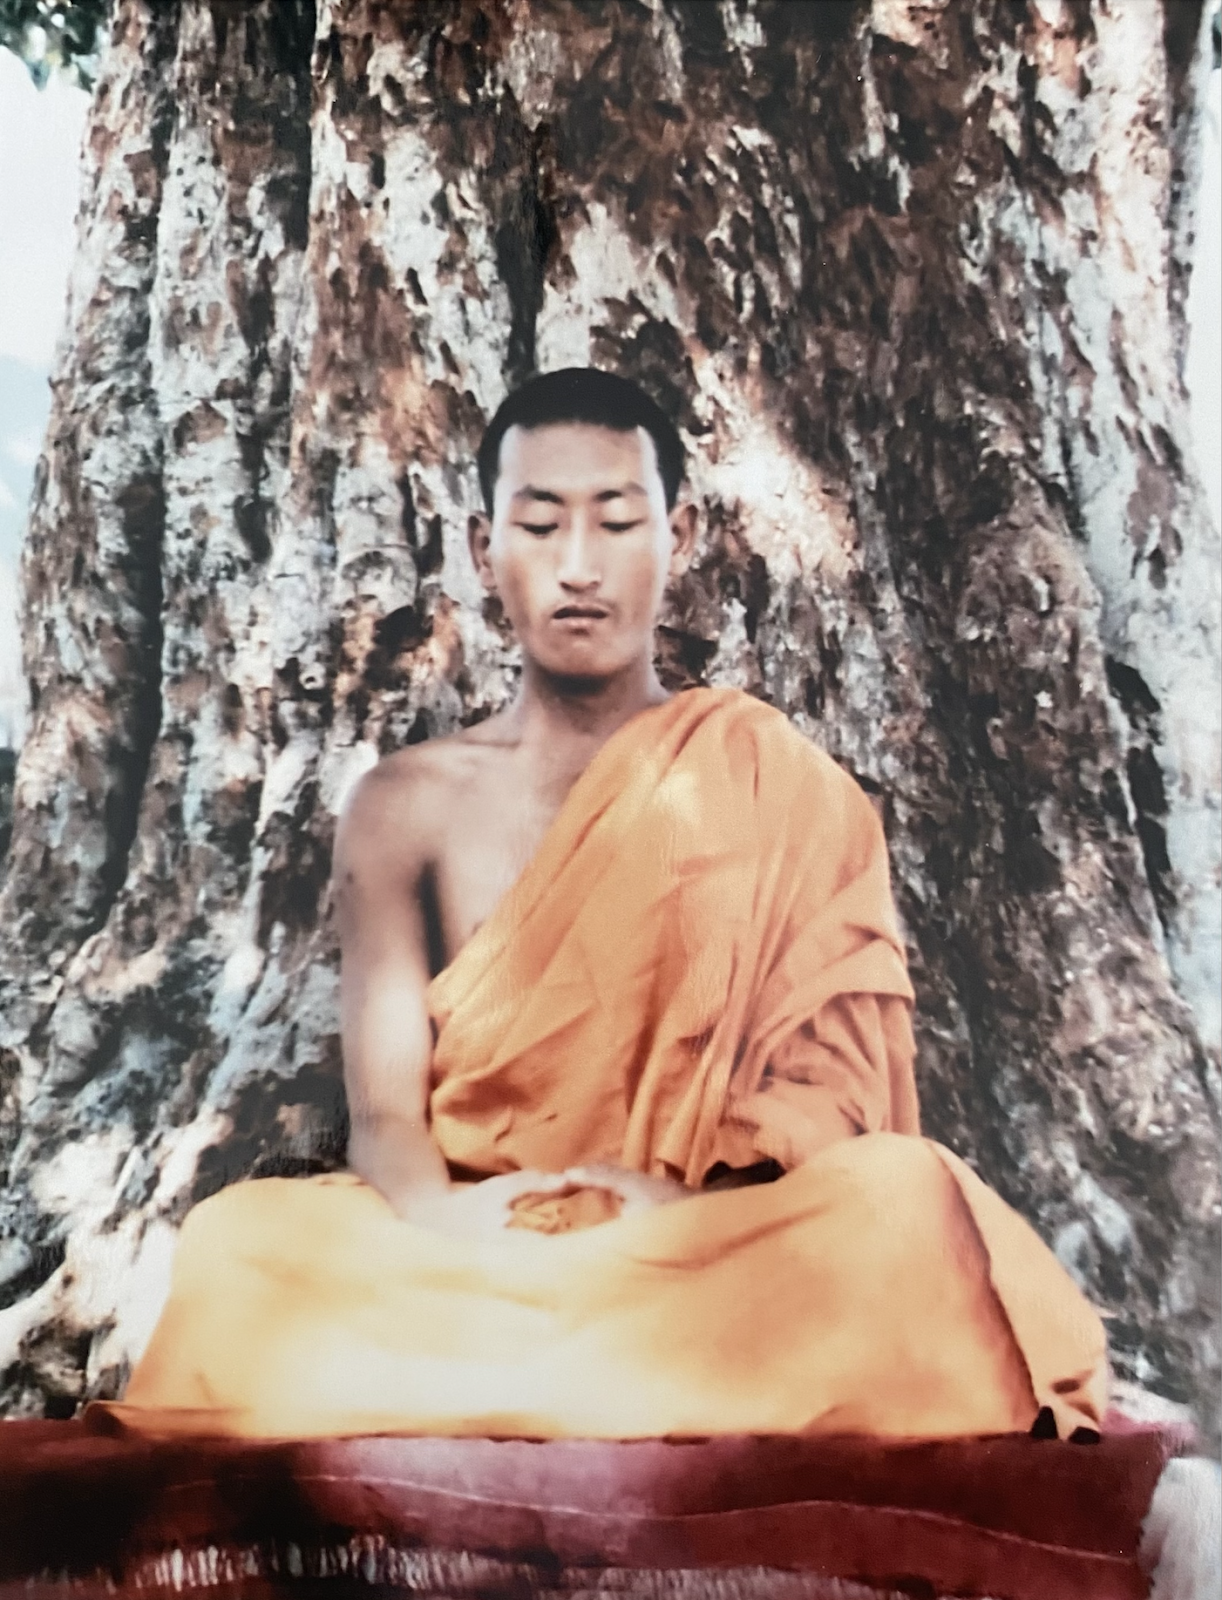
(911,279)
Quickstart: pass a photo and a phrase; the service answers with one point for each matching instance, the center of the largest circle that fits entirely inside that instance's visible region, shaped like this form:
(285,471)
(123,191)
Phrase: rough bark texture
(910,277)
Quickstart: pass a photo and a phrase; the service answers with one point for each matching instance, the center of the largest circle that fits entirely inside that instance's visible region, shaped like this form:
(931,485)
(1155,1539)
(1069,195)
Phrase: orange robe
(701,965)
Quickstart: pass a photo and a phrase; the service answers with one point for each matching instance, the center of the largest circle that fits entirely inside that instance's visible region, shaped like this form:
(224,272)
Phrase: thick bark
(910,278)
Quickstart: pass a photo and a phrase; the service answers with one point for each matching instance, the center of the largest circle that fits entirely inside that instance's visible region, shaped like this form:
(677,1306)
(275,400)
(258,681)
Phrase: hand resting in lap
(477,1210)
(545,1202)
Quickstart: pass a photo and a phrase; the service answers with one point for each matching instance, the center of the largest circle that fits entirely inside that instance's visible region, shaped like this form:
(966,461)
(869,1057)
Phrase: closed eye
(538,527)
(621,527)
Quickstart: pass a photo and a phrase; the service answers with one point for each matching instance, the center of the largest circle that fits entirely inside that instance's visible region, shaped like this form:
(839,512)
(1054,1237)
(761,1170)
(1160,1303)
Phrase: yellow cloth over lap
(701,965)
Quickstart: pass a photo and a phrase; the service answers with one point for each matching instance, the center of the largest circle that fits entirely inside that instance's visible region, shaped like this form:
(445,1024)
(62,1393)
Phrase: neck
(565,720)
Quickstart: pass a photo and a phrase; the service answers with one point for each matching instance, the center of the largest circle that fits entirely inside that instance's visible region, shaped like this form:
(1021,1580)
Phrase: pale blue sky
(40,138)
(1205,307)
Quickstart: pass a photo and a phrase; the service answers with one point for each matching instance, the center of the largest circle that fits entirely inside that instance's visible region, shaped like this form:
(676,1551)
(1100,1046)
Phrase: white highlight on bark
(608,266)
(77,1180)
(180,1151)
(919,24)
(221,760)
(742,28)
(788,515)
(530,67)
(669,57)
(1107,419)
(344,773)
(875,148)
(129,1267)
(1110,1218)
(241,972)
(1182,1536)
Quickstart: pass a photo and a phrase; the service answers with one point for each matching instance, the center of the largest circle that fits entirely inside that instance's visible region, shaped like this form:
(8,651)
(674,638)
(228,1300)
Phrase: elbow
(363,1128)
(370,1128)
(363,1137)
(354,1152)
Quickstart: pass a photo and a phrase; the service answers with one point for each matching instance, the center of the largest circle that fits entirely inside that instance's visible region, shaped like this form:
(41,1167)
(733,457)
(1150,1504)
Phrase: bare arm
(387,1040)
(380,861)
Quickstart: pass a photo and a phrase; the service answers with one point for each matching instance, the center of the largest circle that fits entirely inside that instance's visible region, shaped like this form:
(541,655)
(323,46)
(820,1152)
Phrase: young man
(580,475)
(609,950)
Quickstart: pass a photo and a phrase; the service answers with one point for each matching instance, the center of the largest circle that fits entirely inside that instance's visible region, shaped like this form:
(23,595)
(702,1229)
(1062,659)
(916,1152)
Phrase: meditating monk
(627,1046)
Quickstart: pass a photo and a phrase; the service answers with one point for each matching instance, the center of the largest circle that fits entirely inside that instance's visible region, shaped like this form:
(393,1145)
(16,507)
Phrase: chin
(577,673)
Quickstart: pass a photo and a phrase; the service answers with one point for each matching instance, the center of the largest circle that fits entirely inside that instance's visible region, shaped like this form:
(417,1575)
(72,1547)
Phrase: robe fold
(701,967)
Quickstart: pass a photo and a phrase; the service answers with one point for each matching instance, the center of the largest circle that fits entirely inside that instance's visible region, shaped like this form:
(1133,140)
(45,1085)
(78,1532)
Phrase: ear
(479,537)
(684,526)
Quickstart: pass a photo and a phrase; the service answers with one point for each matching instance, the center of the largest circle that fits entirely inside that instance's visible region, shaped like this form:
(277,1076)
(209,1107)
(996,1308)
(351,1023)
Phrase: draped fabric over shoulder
(701,966)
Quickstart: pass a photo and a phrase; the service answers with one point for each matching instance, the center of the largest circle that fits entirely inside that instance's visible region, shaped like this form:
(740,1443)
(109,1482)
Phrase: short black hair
(582,394)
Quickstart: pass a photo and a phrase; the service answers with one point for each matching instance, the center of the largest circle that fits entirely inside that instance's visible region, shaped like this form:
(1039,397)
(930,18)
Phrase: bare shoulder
(389,819)
(399,812)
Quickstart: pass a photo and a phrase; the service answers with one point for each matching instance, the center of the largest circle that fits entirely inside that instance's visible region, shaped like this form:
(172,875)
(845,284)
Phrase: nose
(578,569)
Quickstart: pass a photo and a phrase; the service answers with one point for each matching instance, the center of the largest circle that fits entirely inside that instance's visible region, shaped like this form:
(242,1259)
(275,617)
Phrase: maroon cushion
(1010,1517)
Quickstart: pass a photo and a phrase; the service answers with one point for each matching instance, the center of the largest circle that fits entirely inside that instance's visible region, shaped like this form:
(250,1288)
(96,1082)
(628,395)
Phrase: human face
(580,545)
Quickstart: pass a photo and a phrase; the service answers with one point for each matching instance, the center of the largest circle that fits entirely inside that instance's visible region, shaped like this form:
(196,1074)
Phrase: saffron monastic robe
(700,966)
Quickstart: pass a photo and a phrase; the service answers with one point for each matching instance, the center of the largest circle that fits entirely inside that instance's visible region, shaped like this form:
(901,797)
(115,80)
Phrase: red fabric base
(1011,1518)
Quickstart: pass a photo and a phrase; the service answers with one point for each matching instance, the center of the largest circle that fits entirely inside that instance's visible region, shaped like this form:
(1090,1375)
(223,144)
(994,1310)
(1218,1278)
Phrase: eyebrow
(530,492)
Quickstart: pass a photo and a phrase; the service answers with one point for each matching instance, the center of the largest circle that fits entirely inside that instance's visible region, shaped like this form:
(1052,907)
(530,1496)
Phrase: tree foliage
(51,35)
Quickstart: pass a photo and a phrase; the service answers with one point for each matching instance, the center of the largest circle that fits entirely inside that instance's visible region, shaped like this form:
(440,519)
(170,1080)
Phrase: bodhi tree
(910,276)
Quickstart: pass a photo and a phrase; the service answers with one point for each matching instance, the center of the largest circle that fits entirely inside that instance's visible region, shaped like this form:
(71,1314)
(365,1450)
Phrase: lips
(586,613)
